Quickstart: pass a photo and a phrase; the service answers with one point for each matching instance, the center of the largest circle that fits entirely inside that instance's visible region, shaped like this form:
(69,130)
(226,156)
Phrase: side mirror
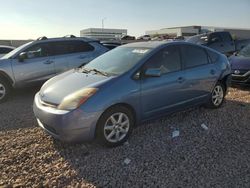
(235,53)
(22,56)
(153,72)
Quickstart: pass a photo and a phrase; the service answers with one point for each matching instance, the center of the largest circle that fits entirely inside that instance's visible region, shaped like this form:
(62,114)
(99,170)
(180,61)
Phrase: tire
(217,96)
(110,131)
(4,90)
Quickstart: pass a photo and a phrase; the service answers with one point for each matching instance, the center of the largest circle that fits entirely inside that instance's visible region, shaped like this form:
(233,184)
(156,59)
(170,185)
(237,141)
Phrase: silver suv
(37,61)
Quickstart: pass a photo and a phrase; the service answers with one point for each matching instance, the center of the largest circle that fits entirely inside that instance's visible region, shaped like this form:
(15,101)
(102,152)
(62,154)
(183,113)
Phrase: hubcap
(2,91)
(217,96)
(116,127)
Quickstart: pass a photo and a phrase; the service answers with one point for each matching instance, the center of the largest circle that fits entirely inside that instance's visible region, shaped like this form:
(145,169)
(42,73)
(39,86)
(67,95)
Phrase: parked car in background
(5,49)
(128,85)
(111,44)
(240,64)
(127,37)
(144,37)
(220,41)
(37,61)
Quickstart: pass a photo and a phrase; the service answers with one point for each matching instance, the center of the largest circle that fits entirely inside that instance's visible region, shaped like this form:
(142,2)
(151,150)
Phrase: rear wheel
(217,96)
(4,90)
(115,126)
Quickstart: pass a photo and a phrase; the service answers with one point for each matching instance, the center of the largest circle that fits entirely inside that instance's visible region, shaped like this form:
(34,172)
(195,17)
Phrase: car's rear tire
(4,90)
(217,96)
(115,126)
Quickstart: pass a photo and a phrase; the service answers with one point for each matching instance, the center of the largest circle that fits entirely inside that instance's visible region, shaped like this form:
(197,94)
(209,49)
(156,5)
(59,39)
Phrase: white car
(144,37)
(5,49)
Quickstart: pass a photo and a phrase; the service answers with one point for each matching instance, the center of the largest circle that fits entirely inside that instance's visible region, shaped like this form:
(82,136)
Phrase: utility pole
(103,19)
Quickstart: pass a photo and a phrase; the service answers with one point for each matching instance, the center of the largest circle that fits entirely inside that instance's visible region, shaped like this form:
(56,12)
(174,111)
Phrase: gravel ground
(216,157)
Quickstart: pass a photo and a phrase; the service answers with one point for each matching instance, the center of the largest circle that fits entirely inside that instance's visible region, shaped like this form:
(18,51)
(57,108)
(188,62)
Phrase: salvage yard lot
(217,157)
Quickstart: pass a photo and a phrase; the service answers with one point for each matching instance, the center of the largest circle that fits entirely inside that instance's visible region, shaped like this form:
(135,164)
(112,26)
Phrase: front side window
(37,51)
(167,60)
(193,56)
(226,37)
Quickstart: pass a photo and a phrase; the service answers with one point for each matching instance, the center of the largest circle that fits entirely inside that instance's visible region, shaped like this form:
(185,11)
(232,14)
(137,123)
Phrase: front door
(160,94)
(38,67)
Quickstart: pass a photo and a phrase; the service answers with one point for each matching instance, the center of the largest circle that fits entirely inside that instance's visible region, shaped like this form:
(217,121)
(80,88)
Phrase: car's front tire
(4,90)
(217,96)
(115,126)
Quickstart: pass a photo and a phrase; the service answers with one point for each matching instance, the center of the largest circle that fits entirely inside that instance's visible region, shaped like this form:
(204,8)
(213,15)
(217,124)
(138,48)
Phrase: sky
(30,19)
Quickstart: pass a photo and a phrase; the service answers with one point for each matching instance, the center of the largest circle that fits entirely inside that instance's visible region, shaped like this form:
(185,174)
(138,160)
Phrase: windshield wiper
(99,72)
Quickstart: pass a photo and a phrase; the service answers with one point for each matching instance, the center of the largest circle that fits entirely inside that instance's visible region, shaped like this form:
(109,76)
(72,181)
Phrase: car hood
(55,89)
(239,63)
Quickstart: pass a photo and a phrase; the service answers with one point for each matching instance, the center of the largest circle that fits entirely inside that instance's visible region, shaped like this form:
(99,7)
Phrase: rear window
(193,56)
(69,47)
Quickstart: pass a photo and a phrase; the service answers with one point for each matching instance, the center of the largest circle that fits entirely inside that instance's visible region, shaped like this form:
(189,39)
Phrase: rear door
(160,94)
(38,67)
(71,54)
(201,75)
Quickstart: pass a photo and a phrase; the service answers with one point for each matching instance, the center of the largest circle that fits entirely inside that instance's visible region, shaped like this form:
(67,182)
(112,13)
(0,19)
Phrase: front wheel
(115,126)
(4,90)
(217,96)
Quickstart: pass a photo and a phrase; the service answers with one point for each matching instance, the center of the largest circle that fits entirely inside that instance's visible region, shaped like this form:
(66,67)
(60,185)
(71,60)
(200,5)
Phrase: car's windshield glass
(9,55)
(118,61)
(199,39)
(245,51)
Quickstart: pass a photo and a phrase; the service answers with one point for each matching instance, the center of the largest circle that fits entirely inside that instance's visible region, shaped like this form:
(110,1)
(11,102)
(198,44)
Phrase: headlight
(74,100)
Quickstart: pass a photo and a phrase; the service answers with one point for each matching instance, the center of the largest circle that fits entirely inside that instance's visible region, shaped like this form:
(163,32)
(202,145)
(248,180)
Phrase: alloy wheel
(116,127)
(217,95)
(2,91)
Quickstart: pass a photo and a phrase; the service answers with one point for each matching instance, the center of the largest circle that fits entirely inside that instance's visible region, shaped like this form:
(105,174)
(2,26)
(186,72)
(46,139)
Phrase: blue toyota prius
(106,98)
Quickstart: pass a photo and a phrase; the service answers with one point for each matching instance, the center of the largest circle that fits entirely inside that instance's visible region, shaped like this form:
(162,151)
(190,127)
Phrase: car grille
(243,75)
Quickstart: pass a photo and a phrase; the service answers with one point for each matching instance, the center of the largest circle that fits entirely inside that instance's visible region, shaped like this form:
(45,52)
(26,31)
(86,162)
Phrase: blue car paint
(144,96)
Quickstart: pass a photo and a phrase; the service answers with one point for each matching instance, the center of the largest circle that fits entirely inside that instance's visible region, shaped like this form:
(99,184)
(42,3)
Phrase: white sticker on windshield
(140,51)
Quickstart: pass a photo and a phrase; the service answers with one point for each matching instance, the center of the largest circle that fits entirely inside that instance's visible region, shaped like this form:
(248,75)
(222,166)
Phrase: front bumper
(67,126)
(241,79)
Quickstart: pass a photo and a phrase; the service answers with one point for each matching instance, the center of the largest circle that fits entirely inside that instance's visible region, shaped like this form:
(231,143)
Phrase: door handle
(212,72)
(181,80)
(48,62)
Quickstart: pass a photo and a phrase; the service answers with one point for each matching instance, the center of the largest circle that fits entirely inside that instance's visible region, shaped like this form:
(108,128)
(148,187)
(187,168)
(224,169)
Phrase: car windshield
(245,51)
(10,54)
(199,39)
(118,61)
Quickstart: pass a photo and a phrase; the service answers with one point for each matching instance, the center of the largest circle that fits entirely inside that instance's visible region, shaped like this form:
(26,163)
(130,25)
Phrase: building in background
(103,34)
(194,30)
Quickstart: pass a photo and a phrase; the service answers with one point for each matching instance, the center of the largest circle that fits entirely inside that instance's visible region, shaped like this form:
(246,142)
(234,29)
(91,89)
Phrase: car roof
(3,46)
(151,44)
(68,39)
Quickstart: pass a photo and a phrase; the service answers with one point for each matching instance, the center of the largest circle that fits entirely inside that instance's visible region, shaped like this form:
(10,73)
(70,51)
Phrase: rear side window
(167,59)
(193,56)
(5,50)
(69,47)
(212,56)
